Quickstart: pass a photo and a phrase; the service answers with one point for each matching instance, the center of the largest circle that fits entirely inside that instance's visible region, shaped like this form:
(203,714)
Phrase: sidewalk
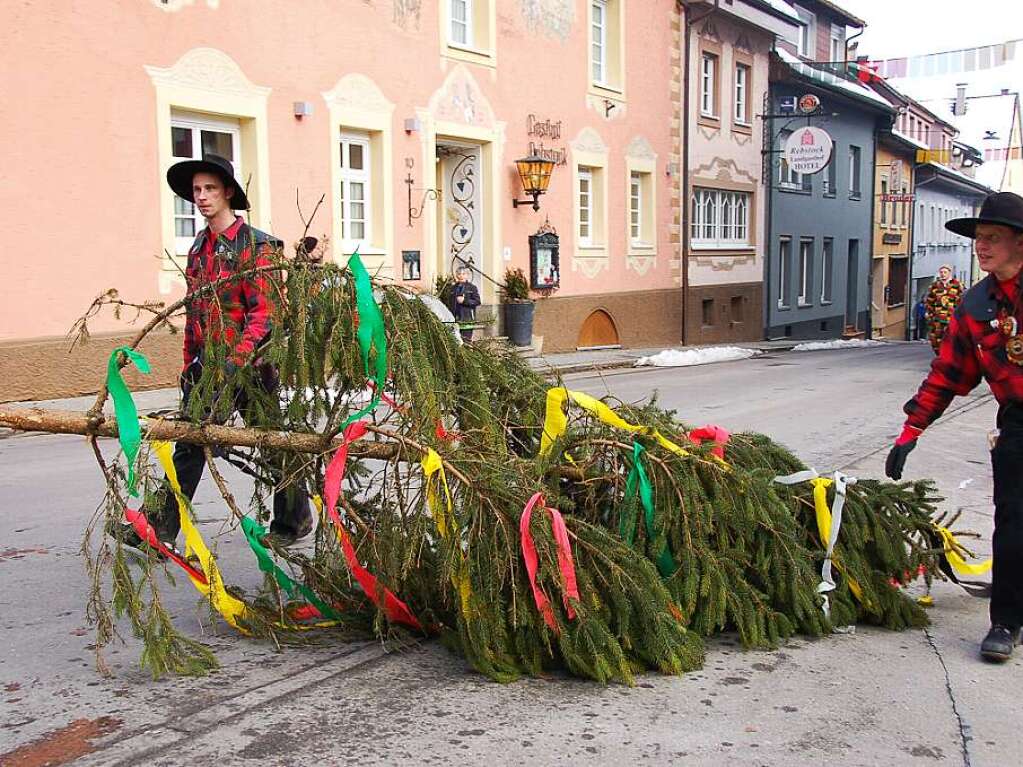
(561,363)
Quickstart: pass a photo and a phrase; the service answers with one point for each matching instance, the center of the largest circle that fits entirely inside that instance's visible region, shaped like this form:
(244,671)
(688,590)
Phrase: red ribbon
(146,532)
(716,433)
(396,610)
(565,562)
(449,436)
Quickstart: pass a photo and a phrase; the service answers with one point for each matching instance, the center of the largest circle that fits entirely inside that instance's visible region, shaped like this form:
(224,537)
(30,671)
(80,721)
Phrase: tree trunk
(70,422)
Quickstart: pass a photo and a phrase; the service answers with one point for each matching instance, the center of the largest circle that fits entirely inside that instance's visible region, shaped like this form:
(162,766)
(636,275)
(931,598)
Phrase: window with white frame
(784,269)
(806,32)
(828,178)
(720,218)
(708,85)
(787,178)
(837,43)
(742,80)
(827,269)
(805,264)
(636,208)
(598,42)
(884,202)
(461,22)
(356,202)
(585,206)
(192,137)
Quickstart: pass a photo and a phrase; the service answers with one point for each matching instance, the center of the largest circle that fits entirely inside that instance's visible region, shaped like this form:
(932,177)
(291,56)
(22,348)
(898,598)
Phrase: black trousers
(290,503)
(1007,543)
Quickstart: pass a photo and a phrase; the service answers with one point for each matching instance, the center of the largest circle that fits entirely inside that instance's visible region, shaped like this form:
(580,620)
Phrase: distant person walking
(919,320)
(940,304)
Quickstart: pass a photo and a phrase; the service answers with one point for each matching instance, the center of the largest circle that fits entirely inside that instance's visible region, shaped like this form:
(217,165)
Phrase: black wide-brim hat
(180,175)
(1004,208)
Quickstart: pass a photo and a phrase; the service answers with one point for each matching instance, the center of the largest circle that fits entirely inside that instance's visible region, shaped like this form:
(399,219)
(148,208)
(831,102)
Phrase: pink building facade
(729,52)
(368,105)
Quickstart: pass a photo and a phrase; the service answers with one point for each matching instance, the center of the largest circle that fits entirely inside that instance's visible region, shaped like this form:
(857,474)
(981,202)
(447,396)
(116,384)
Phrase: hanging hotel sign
(547,130)
(809,103)
(808,150)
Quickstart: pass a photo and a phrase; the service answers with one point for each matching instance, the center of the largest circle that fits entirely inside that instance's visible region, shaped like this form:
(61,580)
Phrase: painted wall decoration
(406,13)
(552,17)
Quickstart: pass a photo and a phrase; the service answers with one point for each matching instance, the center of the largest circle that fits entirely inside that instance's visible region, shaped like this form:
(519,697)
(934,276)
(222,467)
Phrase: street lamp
(535,172)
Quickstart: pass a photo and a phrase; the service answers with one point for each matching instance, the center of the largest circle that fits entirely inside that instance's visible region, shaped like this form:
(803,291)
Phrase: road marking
(141,746)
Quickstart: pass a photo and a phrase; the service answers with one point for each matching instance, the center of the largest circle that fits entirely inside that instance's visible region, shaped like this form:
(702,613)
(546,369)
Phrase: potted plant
(518,308)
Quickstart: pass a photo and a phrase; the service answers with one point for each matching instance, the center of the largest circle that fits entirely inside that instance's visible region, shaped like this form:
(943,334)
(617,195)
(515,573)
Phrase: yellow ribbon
(232,608)
(952,549)
(555,422)
(444,518)
(820,504)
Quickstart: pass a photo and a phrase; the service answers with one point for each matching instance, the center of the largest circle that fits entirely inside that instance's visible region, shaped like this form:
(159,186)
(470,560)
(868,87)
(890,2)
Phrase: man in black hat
(236,315)
(985,339)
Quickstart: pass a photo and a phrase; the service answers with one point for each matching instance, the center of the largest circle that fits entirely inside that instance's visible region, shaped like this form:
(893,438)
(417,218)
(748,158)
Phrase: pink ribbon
(716,433)
(565,563)
(396,610)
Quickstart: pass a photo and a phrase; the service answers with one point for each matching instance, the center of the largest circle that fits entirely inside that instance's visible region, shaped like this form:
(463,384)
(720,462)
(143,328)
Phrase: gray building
(942,193)
(821,225)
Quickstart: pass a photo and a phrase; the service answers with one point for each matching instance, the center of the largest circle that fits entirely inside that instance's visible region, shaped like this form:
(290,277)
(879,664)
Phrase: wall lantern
(535,172)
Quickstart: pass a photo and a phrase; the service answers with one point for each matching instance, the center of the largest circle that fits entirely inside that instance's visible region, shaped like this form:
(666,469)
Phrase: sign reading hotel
(808,150)
(545,130)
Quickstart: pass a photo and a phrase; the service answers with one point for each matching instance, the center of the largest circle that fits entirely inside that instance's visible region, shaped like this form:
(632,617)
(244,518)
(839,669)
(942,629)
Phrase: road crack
(964,728)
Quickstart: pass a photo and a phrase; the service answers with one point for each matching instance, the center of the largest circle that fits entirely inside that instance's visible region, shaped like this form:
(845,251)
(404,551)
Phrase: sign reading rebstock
(808,150)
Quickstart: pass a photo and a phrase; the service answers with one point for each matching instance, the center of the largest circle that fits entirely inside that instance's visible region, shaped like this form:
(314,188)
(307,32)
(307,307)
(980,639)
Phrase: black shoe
(997,645)
(285,537)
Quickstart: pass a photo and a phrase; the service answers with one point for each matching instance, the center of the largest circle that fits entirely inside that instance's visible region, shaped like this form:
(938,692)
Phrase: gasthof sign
(808,150)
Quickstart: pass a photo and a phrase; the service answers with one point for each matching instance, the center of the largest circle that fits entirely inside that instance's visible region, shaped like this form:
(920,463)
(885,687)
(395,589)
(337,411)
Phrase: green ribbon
(638,476)
(125,412)
(254,532)
(370,333)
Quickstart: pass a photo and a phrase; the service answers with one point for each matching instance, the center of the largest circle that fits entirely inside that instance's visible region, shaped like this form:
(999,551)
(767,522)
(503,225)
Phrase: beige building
(723,221)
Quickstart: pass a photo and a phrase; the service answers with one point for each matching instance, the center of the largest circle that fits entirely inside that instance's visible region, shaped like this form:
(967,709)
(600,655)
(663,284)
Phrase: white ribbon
(841,482)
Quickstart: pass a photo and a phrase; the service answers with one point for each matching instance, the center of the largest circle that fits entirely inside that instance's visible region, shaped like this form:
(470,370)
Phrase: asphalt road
(871,697)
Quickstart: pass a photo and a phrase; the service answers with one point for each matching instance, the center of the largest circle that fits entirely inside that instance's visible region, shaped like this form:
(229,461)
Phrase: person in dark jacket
(465,297)
(238,316)
(985,339)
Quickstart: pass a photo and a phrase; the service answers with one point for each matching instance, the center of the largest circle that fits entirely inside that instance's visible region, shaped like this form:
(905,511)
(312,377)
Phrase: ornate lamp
(535,172)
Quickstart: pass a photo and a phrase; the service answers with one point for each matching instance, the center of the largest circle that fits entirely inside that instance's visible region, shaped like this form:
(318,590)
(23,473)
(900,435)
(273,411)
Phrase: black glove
(897,458)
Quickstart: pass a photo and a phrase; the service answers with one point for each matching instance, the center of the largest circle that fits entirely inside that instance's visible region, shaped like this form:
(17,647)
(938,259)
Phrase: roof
(782,7)
(906,142)
(847,87)
(957,177)
(843,14)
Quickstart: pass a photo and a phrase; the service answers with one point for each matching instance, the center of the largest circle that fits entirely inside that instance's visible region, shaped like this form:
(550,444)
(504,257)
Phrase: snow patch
(848,343)
(675,358)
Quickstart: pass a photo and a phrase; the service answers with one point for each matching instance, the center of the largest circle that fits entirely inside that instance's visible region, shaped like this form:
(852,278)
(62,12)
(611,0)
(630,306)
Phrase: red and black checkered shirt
(239,310)
(974,347)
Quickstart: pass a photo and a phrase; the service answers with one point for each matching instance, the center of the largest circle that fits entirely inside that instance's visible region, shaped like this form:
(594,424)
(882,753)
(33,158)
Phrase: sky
(897,28)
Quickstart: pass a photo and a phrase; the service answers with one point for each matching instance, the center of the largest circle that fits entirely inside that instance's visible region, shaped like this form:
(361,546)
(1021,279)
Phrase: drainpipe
(687,24)
(869,330)
(767,152)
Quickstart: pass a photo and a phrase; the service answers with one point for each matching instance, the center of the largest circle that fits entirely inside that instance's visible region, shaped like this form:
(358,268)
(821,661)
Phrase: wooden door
(598,330)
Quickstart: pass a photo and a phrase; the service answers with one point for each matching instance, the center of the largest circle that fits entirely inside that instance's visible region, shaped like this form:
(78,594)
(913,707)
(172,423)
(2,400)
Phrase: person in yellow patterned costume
(942,299)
